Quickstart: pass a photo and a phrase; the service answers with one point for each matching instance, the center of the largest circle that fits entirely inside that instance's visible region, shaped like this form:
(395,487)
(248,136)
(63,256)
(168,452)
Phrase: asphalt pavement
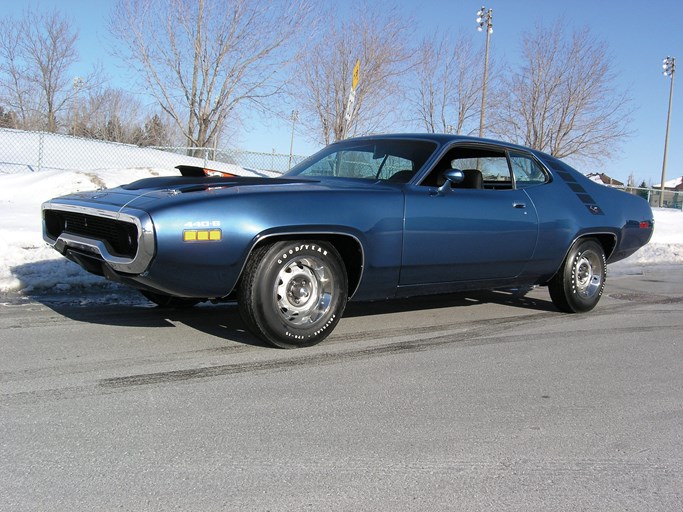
(468,402)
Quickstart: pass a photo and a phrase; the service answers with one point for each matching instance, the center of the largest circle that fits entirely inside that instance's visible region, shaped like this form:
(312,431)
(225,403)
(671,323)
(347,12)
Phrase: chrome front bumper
(145,235)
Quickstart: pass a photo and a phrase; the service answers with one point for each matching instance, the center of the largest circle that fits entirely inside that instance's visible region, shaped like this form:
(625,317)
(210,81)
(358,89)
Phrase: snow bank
(27,263)
(666,245)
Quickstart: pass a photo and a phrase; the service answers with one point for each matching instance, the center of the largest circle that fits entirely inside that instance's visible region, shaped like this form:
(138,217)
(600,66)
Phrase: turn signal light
(202,235)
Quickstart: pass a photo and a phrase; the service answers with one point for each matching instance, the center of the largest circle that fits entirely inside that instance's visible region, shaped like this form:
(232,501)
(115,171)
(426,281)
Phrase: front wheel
(293,293)
(578,285)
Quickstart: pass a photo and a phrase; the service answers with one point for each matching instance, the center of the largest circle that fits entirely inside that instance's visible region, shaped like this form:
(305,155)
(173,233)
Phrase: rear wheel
(578,285)
(293,293)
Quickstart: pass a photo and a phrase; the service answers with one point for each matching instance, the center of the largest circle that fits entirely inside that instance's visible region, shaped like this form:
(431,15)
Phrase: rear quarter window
(527,171)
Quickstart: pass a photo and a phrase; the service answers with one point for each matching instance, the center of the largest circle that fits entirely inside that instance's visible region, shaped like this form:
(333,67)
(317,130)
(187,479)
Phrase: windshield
(376,159)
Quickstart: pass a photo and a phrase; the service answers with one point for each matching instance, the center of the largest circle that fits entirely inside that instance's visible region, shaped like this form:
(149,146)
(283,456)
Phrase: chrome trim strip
(146,236)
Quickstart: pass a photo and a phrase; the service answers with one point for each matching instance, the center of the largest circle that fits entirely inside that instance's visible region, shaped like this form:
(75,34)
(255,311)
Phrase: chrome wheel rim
(303,290)
(588,274)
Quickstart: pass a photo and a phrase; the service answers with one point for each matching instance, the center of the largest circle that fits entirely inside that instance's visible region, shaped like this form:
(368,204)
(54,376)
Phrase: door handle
(519,205)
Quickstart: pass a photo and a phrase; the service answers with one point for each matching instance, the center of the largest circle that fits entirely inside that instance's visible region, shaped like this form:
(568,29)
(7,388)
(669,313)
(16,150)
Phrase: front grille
(120,236)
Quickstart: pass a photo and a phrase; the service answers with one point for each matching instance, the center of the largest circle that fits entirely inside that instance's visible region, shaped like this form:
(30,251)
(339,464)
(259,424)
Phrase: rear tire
(293,293)
(578,285)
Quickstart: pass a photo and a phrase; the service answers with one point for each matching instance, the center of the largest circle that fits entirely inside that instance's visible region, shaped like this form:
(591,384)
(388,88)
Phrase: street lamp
(78,83)
(294,118)
(485,21)
(669,66)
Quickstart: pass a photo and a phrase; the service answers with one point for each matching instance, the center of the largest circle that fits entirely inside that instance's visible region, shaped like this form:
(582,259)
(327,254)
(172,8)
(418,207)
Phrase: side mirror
(451,177)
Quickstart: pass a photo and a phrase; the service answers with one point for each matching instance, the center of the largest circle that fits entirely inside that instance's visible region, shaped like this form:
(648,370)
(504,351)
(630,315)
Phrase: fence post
(41,143)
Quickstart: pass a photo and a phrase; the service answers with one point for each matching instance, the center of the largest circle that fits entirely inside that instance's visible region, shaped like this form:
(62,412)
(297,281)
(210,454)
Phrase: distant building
(603,179)
(673,184)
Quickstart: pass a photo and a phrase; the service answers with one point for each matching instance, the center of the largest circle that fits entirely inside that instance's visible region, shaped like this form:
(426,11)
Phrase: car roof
(445,138)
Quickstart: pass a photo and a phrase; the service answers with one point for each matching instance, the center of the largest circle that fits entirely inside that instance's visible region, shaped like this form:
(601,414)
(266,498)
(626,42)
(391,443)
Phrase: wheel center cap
(584,273)
(300,291)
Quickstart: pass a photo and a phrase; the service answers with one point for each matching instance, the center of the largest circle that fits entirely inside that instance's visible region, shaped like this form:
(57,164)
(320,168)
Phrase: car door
(456,234)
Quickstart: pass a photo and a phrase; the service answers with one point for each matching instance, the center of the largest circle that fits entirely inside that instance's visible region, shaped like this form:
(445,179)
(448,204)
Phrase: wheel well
(608,241)
(348,247)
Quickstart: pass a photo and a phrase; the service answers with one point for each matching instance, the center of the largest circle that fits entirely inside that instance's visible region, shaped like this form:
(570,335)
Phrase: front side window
(488,168)
(391,160)
(494,169)
(484,168)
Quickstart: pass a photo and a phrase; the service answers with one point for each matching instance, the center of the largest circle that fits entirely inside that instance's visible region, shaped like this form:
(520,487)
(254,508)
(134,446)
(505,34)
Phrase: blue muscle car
(369,218)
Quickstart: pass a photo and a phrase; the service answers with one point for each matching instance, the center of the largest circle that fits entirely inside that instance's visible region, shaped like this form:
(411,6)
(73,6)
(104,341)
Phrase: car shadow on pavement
(108,303)
(223,320)
(517,299)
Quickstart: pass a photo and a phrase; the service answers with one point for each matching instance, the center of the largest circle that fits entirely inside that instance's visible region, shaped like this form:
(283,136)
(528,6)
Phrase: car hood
(150,192)
(185,183)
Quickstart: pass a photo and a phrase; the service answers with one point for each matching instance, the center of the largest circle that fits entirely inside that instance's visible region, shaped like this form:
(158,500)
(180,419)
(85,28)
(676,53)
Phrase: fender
(598,235)
(320,232)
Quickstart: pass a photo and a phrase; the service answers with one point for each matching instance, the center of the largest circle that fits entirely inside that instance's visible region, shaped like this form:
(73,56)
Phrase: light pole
(294,118)
(669,65)
(485,21)
(77,85)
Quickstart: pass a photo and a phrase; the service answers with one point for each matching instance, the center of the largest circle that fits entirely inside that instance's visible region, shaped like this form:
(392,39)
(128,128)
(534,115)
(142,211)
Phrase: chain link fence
(670,198)
(22,151)
(276,163)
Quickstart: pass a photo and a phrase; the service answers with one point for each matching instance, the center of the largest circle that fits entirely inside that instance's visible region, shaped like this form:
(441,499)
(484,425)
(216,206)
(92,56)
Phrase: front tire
(293,293)
(578,285)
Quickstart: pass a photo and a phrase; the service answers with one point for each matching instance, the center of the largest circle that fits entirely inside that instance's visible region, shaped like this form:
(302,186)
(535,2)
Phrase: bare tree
(376,35)
(154,132)
(202,59)
(52,52)
(36,56)
(562,100)
(7,119)
(118,116)
(447,87)
(14,84)
(107,114)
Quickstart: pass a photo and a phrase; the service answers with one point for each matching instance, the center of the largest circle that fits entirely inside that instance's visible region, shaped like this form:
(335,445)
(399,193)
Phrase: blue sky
(639,35)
